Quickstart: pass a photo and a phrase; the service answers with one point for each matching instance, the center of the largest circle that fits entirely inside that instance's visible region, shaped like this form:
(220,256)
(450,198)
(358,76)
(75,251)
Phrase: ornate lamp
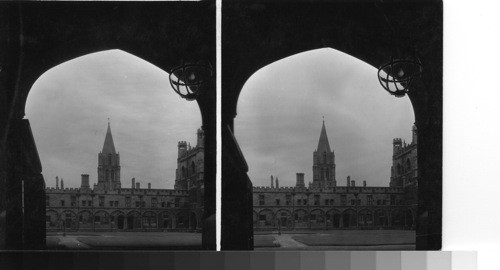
(397,75)
(189,78)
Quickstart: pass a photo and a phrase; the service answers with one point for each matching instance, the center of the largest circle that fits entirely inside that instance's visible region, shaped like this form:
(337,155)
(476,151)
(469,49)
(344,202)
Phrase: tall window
(47,200)
(343,200)
(261,199)
(288,199)
(101,201)
(316,199)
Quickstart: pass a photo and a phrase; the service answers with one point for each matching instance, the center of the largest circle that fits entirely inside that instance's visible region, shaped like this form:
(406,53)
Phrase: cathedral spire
(323,145)
(109,145)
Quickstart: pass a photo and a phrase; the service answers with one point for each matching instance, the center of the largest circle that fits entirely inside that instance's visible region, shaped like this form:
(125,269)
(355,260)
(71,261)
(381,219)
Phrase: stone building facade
(110,207)
(324,205)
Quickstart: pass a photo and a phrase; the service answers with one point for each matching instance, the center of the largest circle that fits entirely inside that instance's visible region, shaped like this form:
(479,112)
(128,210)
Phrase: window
(169,204)
(393,199)
(343,200)
(97,218)
(177,202)
(288,199)
(84,203)
(324,157)
(101,201)
(352,202)
(143,203)
(316,199)
(90,203)
(277,201)
(262,217)
(312,217)
(162,204)
(47,200)
(370,200)
(299,201)
(127,201)
(331,201)
(305,201)
(73,200)
(261,199)
(62,202)
(116,203)
(193,167)
(154,202)
(326,201)
(137,204)
(110,203)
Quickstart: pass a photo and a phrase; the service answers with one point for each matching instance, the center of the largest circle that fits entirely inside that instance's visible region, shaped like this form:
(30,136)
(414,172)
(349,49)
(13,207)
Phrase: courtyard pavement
(124,241)
(336,240)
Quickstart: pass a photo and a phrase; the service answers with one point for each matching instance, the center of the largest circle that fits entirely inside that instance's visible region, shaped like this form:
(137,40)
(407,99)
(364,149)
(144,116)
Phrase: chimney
(62,183)
(138,185)
(353,183)
(348,181)
(57,182)
(272,182)
(277,183)
(149,185)
(364,183)
(300,180)
(85,181)
(133,183)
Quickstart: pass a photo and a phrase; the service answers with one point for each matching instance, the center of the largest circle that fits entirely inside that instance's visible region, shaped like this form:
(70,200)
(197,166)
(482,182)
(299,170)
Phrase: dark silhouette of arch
(55,41)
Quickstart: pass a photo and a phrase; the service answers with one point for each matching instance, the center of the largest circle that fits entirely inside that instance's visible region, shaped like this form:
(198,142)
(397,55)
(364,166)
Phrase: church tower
(323,162)
(108,169)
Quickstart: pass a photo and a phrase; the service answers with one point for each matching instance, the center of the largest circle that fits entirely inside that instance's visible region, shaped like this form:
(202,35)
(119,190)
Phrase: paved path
(286,241)
(71,242)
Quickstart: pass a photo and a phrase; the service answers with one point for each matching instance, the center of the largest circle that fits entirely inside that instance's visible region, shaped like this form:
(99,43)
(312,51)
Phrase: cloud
(280,112)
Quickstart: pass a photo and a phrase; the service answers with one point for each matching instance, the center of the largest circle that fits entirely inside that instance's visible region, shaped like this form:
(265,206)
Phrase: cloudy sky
(280,112)
(68,108)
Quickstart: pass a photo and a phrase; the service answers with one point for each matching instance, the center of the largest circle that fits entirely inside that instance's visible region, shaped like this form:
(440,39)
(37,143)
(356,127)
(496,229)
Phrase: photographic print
(108,126)
(332,125)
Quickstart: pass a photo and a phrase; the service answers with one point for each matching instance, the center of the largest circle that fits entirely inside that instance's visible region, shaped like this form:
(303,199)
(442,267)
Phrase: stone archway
(55,42)
(349,219)
(284,217)
(267,219)
(348,28)
(333,217)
